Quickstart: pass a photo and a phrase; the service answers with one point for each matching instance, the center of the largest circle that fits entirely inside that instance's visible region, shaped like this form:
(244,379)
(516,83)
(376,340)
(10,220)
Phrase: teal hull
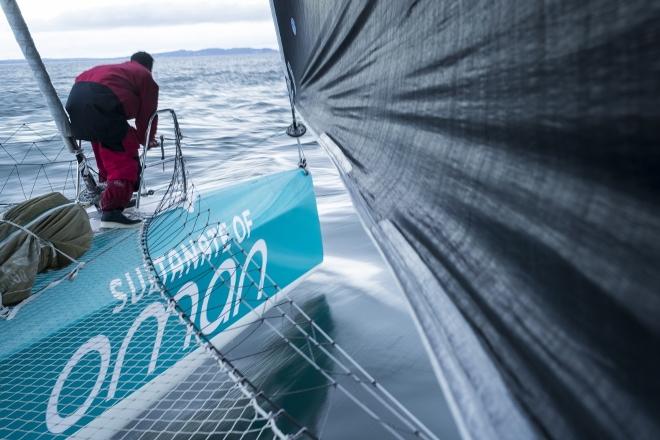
(74,353)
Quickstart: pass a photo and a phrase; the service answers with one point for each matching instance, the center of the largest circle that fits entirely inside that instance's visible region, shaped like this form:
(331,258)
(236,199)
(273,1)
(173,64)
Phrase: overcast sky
(110,28)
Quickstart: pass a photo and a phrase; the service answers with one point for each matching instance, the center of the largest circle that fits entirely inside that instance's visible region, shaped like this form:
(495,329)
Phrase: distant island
(208,52)
(175,53)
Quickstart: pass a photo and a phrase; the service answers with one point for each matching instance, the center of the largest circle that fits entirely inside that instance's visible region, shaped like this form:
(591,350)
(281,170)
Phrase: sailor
(102,101)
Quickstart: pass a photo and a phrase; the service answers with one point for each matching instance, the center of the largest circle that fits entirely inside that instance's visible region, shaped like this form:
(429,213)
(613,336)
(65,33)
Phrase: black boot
(115,219)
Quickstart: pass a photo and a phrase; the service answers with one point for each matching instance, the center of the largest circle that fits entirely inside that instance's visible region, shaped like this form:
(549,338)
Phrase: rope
(199,140)
(79,264)
(302,160)
(32,222)
(9,312)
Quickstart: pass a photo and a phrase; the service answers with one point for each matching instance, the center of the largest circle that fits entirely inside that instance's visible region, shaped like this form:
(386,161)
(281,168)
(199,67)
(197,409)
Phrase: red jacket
(133,86)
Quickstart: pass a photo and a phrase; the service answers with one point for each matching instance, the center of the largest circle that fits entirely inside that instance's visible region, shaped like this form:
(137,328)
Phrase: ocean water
(233,111)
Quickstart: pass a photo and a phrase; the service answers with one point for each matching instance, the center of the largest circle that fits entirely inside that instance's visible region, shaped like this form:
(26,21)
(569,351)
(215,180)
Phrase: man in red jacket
(100,104)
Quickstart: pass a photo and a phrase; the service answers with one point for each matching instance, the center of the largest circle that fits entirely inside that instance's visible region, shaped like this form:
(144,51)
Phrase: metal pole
(25,42)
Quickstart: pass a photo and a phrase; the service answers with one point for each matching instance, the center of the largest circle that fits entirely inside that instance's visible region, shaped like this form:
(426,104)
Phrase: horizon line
(154,54)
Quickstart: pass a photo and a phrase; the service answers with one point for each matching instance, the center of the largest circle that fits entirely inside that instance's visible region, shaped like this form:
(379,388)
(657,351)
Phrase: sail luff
(492,151)
(26,43)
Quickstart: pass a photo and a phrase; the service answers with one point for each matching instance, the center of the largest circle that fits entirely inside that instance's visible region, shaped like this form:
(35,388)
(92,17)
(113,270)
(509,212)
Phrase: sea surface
(233,111)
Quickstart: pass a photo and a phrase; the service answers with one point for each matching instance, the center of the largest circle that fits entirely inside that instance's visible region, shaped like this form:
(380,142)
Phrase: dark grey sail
(505,155)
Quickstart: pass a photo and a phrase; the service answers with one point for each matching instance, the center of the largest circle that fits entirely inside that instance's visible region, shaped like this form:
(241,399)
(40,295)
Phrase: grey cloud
(141,14)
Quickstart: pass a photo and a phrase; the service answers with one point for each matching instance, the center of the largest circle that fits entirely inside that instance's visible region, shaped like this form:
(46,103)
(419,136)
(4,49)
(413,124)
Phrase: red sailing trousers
(120,169)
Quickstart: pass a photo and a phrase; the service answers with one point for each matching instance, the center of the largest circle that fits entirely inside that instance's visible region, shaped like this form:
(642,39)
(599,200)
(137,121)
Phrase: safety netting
(34,161)
(124,344)
(278,335)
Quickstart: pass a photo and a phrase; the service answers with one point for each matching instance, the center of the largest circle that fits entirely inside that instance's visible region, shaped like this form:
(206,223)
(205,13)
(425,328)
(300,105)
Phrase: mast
(24,40)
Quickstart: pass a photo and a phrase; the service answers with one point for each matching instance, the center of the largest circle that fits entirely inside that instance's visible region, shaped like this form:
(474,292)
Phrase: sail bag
(58,231)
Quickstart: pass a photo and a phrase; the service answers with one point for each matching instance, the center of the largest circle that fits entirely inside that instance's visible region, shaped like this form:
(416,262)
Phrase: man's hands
(152,143)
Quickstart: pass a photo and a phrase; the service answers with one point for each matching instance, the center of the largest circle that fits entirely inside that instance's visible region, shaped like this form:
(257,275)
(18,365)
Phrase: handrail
(177,141)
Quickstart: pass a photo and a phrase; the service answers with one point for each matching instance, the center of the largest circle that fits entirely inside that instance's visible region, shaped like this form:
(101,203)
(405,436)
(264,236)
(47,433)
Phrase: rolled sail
(505,157)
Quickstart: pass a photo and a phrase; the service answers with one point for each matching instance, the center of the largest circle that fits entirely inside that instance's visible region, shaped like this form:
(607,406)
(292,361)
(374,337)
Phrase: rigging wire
(296,129)
(195,221)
